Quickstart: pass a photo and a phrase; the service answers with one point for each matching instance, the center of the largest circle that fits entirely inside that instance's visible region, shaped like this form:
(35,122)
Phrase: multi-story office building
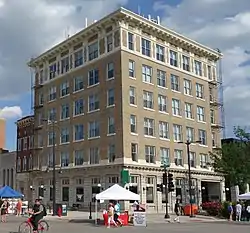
(24,155)
(121,94)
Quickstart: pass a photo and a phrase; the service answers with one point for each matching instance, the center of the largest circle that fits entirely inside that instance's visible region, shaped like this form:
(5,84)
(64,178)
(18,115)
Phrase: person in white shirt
(248,212)
(111,215)
(238,211)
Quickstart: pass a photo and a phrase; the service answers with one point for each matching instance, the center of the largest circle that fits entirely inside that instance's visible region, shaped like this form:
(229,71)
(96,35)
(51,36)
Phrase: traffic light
(170,183)
(159,188)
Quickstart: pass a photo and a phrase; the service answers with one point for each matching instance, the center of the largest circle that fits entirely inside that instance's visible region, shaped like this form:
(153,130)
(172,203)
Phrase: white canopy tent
(245,196)
(116,192)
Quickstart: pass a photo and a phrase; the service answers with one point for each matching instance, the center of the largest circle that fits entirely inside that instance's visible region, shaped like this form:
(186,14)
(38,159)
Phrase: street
(193,227)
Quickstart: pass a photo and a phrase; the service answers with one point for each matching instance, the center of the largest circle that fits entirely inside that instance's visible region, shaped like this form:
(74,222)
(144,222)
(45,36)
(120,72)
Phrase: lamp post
(187,143)
(165,165)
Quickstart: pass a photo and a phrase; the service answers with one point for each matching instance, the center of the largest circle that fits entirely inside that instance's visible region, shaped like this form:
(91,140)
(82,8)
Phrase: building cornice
(127,16)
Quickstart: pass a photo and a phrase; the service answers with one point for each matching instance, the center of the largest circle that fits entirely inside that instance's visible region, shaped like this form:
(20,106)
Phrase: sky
(30,27)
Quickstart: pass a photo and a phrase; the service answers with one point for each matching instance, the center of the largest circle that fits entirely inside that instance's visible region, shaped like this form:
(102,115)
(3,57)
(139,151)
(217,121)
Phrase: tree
(233,159)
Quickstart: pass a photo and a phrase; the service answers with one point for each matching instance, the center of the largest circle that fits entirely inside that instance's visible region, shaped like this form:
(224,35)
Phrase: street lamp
(53,164)
(187,143)
(165,165)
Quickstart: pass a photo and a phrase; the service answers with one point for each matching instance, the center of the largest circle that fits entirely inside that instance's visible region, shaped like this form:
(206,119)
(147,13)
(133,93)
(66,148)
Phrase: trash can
(64,210)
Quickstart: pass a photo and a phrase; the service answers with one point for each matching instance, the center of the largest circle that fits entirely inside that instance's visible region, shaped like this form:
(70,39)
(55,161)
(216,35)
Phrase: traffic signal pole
(166,191)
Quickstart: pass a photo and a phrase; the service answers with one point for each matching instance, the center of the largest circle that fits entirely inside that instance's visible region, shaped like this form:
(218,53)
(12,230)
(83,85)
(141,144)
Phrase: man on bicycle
(37,214)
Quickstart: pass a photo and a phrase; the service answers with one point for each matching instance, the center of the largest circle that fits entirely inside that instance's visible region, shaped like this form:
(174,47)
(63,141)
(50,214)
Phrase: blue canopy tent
(8,192)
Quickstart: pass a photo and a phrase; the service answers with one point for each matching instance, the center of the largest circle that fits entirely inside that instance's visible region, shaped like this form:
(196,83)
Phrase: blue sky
(39,24)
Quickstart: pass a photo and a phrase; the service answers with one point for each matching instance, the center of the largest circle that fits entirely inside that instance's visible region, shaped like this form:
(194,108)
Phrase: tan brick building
(2,133)
(122,93)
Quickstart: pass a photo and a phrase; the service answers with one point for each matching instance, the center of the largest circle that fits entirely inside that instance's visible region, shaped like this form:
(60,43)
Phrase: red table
(122,217)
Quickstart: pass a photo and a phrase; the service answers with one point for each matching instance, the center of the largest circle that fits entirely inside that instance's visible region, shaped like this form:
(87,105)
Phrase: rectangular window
(109,42)
(160,53)
(209,73)
(94,155)
(164,155)
(64,135)
(188,111)
(110,71)
(173,58)
(79,194)
(111,125)
(52,114)
(134,152)
(147,74)
(185,63)
(162,103)
(148,101)
(150,154)
(199,91)
(177,130)
(204,163)
(94,103)
(40,99)
(130,41)
(192,159)
(161,78)
(64,111)
(64,159)
(202,136)
(78,107)
(111,97)
(111,153)
(198,68)
(132,95)
(200,113)
(78,132)
(187,87)
(131,69)
(64,65)
(163,130)
(133,123)
(52,93)
(176,107)
(190,134)
(93,51)
(94,129)
(178,157)
(149,127)
(52,71)
(78,55)
(78,83)
(65,194)
(64,89)
(212,116)
(175,83)
(93,77)
(146,47)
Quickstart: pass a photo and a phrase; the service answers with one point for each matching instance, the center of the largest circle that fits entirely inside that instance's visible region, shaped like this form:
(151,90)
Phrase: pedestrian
(177,211)
(238,211)
(19,208)
(117,210)
(230,212)
(4,207)
(248,211)
(111,215)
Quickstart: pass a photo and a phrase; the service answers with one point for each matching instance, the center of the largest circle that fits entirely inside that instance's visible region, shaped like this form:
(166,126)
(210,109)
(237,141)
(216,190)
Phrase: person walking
(177,211)
(19,208)
(117,210)
(230,212)
(238,211)
(4,207)
(111,215)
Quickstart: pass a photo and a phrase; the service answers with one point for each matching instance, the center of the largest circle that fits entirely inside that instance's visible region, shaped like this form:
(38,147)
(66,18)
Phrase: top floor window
(173,58)
(65,65)
(109,42)
(78,58)
(52,71)
(198,68)
(185,63)
(131,41)
(160,51)
(146,47)
(93,51)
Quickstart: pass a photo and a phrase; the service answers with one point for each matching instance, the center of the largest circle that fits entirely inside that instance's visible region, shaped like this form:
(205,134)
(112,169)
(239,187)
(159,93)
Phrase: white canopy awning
(116,192)
(245,196)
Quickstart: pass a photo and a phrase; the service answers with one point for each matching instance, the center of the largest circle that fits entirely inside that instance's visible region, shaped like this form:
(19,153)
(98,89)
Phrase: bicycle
(27,227)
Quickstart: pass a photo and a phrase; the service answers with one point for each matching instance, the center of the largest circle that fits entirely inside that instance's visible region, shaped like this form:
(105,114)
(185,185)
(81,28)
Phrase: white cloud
(10,112)
(223,24)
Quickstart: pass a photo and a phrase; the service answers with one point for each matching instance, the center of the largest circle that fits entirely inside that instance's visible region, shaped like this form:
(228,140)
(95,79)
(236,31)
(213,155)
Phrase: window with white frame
(19,144)
(134,152)
(161,78)
(176,107)
(25,143)
(64,135)
(204,162)
(42,77)
(131,69)
(40,140)
(24,165)
(64,159)
(162,103)
(78,107)
(78,55)
(163,130)
(111,125)
(93,51)
(146,47)
(52,71)
(160,53)
(52,93)
(64,111)
(64,65)
(132,95)
(31,142)
(213,139)
(200,113)
(198,68)
(94,155)
(78,83)
(190,134)
(187,87)
(173,58)
(111,97)
(149,126)
(133,124)
(192,157)
(93,77)
(199,91)
(175,83)
(185,63)
(130,41)
(64,89)
(78,132)
(164,156)
(147,74)
(111,153)
(178,157)
(79,157)
(209,73)
(110,70)
(94,129)
(177,130)
(94,103)
(150,154)
(41,99)
(52,114)
(188,111)
(109,42)
(148,101)
(202,136)
(18,164)
(212,116)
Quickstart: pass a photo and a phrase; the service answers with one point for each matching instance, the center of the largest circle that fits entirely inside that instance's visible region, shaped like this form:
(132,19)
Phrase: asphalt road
(193,227)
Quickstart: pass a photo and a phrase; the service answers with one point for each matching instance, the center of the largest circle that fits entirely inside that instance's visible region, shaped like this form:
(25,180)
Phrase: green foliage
(233,159)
